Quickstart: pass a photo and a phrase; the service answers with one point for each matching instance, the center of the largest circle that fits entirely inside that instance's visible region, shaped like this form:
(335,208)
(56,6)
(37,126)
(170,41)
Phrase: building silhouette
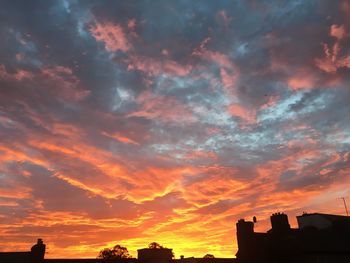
(319,238)
(159,255)
(35,255)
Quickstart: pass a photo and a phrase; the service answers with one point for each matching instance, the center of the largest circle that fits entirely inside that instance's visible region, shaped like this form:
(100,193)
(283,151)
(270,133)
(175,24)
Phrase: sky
(127,122)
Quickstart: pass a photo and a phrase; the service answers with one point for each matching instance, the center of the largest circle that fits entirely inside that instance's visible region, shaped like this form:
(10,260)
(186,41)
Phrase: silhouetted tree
(116,252)
(154,245)
(209,256)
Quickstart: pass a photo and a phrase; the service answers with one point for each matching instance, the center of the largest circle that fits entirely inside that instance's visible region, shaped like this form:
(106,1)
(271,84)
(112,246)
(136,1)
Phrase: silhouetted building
(318,238)
(204,260)
(324,221)
(36,255)
(15,257)
(155,255)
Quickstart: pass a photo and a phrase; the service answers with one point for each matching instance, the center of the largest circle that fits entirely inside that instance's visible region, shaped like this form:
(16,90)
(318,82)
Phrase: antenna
(346,208)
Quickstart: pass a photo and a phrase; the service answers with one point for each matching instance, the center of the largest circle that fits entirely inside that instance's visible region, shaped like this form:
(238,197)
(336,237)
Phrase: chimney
(279,223)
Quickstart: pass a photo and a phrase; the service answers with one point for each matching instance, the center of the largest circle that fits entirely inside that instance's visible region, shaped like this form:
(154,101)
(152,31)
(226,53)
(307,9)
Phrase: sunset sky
(127,122)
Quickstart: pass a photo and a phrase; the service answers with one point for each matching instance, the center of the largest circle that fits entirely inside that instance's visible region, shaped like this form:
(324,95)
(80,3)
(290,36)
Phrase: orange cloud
(301,81)
(120,138)
(164,108)
(155,67)
(229,71)
(112,35)
(199,154)
(65,83)
(248,115)
(331,60)
(19,75)
(337,31)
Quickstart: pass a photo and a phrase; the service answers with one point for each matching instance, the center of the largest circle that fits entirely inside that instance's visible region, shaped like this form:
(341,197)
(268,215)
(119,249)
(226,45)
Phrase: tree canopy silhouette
(154,245)
(112,253)
(209,256)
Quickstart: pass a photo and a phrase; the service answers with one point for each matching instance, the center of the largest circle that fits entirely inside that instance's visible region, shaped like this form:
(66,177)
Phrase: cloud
(111,35)
(153,67)
(241,112)
(120,138)
(164,108)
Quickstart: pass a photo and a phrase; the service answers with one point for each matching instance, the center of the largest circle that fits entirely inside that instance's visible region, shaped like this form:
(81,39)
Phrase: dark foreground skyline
(127,121)
(318,238)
